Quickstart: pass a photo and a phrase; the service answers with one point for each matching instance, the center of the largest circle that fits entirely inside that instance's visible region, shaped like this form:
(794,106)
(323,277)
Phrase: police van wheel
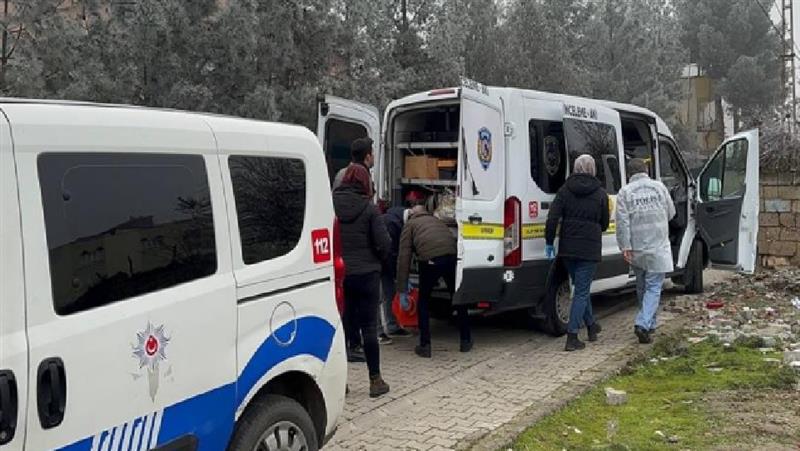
(693,274)
(275,423)
(557,305)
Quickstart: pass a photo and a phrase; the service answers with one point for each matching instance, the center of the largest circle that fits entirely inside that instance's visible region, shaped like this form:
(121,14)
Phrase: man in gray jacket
(644,209)
(435,247)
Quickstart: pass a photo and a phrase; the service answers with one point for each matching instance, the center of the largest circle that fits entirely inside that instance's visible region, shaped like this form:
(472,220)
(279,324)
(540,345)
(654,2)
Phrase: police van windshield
(600,141)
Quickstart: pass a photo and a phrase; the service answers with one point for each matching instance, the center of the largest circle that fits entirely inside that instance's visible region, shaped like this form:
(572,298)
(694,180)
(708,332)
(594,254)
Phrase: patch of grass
(666,396)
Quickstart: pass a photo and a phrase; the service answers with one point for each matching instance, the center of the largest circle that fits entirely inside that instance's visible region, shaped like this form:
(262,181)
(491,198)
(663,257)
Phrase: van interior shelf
(429,182)
(427,145)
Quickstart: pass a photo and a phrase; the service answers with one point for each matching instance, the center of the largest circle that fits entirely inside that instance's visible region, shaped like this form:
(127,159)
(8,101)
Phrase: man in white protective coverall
(644,209)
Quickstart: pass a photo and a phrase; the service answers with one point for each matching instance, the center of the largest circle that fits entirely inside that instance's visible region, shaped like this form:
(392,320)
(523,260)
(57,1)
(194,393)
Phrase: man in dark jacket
(365,246)
(581,208)
(435,247)
(394,220)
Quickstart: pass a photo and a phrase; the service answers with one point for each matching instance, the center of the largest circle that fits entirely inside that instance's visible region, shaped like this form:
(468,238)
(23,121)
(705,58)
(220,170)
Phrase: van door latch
(475,219)
(508,129)
(51,392)
(9,406)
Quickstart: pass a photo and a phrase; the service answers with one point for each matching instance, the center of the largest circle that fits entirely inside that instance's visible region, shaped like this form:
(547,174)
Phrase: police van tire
(274,413)
(693,274)
(554,306)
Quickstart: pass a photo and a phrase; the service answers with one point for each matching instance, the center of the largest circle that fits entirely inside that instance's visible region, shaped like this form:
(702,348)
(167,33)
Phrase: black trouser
(429,274)
(362,296)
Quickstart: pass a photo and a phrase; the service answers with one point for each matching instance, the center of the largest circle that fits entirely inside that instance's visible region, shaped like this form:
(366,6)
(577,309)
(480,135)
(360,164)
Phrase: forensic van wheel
(692,279)
(557,305)
(275,423)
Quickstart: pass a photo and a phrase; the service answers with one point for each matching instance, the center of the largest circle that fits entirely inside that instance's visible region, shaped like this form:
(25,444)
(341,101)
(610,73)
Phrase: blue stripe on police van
(210,416)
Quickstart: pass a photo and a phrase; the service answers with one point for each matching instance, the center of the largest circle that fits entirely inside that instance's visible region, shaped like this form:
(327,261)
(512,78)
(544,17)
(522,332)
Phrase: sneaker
(593,330)
(400,333)
(643,335)
(573,343)
(423,351)
(384,339)
(355,356)
(377,386)
(466,346)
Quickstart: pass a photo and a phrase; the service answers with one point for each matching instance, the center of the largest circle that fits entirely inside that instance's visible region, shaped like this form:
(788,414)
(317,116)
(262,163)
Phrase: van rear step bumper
(504,288)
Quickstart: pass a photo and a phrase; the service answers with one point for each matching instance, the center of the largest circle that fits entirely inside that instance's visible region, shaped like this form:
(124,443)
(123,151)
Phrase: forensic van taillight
(338,265)
(512,235)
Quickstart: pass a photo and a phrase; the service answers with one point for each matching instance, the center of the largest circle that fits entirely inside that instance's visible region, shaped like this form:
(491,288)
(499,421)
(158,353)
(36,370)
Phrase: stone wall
(779,230)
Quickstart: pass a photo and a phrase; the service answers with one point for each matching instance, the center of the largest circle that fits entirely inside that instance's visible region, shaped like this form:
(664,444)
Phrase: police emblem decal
(150,349)
(485,147)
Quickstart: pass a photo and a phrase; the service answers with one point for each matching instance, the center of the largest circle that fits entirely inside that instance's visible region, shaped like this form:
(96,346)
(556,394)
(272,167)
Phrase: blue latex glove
(549,251)
(404,301)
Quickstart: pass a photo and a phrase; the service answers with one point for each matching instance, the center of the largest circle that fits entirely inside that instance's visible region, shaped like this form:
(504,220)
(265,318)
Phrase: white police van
(167,282)
(513,149)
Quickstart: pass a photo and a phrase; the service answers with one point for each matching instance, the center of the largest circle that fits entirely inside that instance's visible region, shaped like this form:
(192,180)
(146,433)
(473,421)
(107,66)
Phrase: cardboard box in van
(421,167)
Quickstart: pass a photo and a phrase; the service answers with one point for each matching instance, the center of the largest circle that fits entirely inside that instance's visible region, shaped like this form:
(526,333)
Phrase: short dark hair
(637,166)
(360,148)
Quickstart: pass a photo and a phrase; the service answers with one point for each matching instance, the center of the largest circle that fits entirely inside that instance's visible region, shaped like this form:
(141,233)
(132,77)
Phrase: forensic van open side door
(489,226)
(339,122)
(727,203)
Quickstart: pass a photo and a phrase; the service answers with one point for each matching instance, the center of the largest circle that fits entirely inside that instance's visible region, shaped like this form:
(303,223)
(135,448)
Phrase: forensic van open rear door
(727,203)
(489,227)
(341,121)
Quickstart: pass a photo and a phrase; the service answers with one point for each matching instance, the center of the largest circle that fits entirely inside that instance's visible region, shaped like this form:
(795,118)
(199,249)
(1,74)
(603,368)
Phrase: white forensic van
(167,282)
(510,151)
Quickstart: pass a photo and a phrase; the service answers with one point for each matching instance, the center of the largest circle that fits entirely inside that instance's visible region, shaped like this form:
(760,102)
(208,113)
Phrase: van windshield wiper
(464,155)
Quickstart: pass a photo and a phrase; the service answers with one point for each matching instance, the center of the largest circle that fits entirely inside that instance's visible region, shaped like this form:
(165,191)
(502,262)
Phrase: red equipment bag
(406,318)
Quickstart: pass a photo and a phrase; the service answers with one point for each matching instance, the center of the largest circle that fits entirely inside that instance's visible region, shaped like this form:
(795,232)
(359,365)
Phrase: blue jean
(648,292)
(581,272)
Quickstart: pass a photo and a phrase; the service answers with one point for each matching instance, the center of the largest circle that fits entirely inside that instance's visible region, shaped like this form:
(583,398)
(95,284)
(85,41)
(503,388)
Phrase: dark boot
(643,335)
(423,351)
(466,346)
(377,386)
(573,343)
(593,330)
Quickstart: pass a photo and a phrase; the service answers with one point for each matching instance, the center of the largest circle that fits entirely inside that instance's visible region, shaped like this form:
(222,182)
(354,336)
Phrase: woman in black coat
(581,210)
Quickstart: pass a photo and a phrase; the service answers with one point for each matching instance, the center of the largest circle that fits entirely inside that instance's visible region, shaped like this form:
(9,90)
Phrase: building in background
(705,117)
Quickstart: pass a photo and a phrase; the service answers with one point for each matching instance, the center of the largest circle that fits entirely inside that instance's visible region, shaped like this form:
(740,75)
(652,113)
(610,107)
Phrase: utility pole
(789,59)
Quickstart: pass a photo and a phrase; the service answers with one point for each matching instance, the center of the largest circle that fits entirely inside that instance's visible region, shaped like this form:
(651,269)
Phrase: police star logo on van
(485,147)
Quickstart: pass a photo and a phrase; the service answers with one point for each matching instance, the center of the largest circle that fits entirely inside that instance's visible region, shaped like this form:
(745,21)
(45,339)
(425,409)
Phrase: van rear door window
(122,225)
(270,196)
(548,154)
(600,141)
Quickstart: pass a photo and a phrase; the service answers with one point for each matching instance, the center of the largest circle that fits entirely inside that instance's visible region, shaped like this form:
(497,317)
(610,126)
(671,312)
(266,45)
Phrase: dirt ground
(768,420)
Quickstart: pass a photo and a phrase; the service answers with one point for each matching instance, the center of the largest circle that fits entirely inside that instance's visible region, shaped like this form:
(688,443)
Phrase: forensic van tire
(692,278)
(556,307)
(274,423)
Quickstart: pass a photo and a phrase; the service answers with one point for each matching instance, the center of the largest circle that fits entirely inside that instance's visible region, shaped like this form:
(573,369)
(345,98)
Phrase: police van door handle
(9,406)
(51,392)
(475,219)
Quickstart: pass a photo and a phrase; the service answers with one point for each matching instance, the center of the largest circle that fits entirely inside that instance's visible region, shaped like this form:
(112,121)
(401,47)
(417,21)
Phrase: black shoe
(593,330)
(400,333)
(384,339)
(423,351)
(643,335)
(573,343)
(466,346)
(354,356)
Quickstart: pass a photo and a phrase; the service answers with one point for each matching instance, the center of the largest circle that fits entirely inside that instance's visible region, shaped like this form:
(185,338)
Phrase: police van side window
(548,157)
(600,141)
(270,196)
(123,225)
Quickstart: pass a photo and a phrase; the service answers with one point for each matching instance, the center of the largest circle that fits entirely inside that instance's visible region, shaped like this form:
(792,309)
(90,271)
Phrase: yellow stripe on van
(534,231)
(481,231)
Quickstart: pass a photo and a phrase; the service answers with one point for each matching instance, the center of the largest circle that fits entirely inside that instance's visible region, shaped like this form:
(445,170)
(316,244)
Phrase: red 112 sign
(321,245)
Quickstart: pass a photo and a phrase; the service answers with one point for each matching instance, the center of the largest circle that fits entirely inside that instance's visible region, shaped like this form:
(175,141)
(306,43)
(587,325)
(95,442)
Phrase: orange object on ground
(406,318)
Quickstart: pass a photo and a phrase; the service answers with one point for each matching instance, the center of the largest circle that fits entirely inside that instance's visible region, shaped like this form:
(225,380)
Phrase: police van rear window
(270,196)
(123,225)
